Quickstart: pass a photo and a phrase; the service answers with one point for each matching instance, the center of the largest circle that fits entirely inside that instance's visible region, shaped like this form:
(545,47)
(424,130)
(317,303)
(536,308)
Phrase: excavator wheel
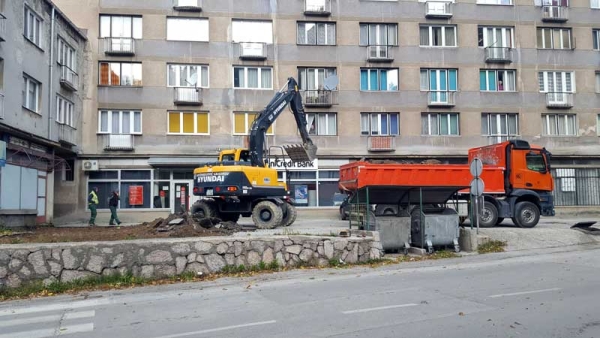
(204,210)
(290,214)
(267,215)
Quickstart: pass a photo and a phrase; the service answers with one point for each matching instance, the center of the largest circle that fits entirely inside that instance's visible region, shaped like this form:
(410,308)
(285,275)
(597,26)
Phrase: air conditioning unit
(89,165)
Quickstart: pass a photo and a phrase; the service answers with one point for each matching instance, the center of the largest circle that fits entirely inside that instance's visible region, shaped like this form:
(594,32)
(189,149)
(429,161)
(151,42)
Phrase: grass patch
(5,232)
(491,246)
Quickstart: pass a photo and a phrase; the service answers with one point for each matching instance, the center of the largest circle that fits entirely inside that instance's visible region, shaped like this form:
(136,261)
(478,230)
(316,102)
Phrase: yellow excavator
(241,182)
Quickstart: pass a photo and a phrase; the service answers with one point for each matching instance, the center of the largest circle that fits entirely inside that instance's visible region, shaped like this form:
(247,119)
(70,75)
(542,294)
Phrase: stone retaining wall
(21,263)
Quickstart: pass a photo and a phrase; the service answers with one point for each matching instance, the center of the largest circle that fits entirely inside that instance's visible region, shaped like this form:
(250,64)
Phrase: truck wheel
(290,215)
(267,215)
(489,216)
(500,220)
(527,214)
(201,210)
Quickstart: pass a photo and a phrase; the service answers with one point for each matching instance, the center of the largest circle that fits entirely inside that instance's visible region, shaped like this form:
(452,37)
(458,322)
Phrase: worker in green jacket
(93,204)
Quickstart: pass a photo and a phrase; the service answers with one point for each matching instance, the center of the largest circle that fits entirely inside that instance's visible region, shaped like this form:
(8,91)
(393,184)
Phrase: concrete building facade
(172,82)
(41,55)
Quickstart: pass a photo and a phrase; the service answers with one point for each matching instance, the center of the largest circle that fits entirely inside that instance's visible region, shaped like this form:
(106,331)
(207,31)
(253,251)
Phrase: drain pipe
(50,105)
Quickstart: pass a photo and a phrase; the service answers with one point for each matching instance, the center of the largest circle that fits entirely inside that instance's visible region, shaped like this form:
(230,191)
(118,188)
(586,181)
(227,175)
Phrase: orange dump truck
(516,175)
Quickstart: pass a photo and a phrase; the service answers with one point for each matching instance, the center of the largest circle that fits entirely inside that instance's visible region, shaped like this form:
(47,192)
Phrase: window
(120,122)
(598,125)
(495,37)
(595,4)
(32,27)
(68,171)
(379,124)
(556,82)
(375,79)
(120,74)
(316,33)
(64,111)
(120,26)
(243,121)
(187,29)
(596,38)
(597,82)
(439,124)
(554,38)
(439,79)
(559,124)
(187,76)
(381,34)
(314,78)
(497,80)
(494,2)
(321,124)
(438,36)
(535,161)
(31,93)
(502,126)
(188,123)
(252,78)
(251,31)
(66,55)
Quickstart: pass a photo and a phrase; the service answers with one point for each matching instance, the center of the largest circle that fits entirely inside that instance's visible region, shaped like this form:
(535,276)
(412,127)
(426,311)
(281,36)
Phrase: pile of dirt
(179,224)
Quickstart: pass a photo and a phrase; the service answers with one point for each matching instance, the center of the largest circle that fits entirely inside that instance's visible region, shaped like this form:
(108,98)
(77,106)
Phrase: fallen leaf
(461,314)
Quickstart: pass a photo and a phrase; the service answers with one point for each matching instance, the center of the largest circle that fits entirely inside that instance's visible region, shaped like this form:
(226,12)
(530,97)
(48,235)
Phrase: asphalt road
(546,293)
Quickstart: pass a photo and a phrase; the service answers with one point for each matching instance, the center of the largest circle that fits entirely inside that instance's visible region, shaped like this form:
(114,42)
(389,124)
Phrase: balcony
(187,5)
(119,46)
(498,55)
(117,142)
(68,78)
(559,100)
(66,134)
(1,105)
(555,13)
(438,9)
(2,27)
(319,98)
(379,54)
(441,99)
(317,7)
(187,96)
(252,50)
(381,143)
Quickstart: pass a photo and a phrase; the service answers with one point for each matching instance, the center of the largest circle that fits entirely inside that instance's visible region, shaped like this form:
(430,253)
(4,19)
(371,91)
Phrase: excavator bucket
(301,153)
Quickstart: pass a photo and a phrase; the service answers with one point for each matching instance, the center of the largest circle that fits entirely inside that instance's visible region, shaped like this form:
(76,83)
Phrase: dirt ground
(158,228)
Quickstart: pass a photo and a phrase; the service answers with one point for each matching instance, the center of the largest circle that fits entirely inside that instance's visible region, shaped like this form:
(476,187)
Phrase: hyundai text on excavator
(242,184)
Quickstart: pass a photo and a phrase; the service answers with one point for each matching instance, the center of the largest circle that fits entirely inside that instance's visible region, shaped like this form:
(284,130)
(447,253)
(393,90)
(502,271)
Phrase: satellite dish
(331,82)
(192,80)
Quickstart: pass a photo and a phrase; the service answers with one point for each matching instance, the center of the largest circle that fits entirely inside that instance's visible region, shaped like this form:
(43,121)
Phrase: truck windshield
(535,162)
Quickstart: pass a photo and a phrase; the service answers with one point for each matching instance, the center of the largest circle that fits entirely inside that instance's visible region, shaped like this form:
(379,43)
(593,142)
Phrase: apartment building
(175,81)
(41,53)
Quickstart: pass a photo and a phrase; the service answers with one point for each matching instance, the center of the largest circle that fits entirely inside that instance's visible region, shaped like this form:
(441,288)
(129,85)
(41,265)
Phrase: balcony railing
(2,27)
(187,96)
(68,78)
(559,100)
(438,9)
(498,54)
(319,98)
(119,46)
(1,105)
(317,7)
(379,54)
(187,5)
(66,134)
(441,99)
(555,13)
(252,50)
(381,143)
(118,142)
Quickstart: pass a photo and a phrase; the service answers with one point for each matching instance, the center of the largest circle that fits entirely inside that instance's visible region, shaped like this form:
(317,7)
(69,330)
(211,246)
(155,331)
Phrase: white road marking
(523,293)
(76,315)
(218,329)
(46,319)
(379,308)
(53,307)
(68,329)
(30,334)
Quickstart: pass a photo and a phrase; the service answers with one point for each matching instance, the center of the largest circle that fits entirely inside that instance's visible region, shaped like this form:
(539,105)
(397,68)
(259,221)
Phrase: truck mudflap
(547,204)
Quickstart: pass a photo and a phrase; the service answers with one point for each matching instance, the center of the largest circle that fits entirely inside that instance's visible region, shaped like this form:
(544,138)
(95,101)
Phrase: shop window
(105,190)
(135,174)
(183,175)
(304,193)
(162,174)
(135,195)
(333,174)
(108,174)
(302,175)
(327,191)
(162,197)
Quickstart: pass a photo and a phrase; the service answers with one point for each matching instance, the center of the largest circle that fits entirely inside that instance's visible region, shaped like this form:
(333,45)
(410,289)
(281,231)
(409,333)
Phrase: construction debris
(177,224)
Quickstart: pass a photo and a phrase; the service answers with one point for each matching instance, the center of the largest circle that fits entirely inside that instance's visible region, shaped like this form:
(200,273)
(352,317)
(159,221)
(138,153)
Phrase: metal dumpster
(434,227)
(394,231)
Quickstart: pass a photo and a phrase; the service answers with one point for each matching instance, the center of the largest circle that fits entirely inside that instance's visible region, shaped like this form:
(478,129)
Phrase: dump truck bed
(357,175)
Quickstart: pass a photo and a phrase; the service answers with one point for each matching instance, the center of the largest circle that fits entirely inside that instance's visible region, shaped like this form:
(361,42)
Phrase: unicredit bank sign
(282,163)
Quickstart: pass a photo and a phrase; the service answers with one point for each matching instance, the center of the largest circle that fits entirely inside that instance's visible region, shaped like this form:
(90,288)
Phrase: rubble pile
(185,223)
